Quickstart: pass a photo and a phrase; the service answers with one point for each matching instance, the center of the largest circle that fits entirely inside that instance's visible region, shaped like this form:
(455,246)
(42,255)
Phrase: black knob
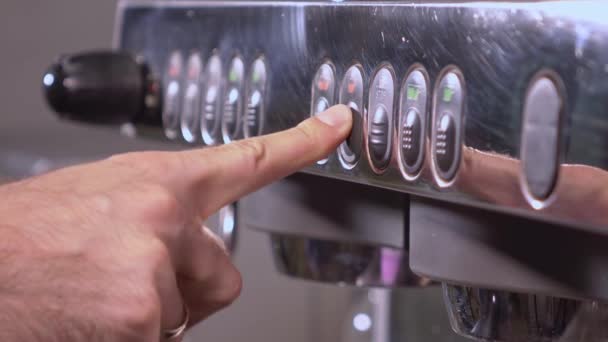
(102,87)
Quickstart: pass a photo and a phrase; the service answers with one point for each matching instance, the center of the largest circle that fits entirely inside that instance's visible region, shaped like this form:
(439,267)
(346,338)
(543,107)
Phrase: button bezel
(412,174)
(535,202)
(329,95)
(447,179)
(249,90)
(228,86)
(380,170)
(342,152)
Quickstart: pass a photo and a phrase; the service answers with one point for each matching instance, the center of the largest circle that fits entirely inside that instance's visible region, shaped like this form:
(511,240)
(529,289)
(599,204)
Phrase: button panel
(481,154)
(256,95)
(172,96)
(380,118)
(323,92)
(192,98)
(446,137)
(540,137)
(351,94)
(412,122)
(233,101)
(212,99)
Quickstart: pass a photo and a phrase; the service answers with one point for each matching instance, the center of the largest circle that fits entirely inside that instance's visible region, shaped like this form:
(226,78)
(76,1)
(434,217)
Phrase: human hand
(114,250)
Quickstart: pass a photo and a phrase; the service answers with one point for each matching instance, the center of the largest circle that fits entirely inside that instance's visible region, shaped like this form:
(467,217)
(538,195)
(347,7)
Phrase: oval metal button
(540,138)
(447,127)
(380,120)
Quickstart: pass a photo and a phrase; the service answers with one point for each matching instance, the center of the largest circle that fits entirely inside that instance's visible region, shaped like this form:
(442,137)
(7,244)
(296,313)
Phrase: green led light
(232,77)
(256,76)
(448,94)
(413,92)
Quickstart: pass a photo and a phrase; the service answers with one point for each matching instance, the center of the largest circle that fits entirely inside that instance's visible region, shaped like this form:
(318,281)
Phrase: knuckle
(253,151)
(306,131)
(311,135)
(160,203)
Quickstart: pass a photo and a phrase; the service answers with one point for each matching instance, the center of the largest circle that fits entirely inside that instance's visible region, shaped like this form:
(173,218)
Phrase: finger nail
(336,116)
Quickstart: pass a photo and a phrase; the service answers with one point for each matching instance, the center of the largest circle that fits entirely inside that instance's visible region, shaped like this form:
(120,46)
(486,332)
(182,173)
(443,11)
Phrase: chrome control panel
(495,105)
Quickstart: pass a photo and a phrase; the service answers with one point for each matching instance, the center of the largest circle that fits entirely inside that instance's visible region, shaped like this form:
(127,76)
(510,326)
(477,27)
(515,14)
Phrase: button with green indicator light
(233,101)
(448,94)
(448,118)
(351,94)
(413,115)
(413,92)
(256,95)
(233,76)
(256,76)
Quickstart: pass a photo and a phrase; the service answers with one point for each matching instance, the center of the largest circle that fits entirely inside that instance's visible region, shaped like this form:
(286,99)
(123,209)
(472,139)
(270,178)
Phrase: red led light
(351,87)
(323,85)
(174,71)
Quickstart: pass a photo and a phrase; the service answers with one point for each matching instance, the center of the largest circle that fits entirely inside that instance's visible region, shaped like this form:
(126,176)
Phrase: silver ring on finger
(177,334)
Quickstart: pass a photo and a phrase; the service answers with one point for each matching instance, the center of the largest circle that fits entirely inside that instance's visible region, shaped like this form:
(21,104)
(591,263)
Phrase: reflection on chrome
(343,263)
(224,224)
(578,195)
(496,315)
(362,322)
(227,227)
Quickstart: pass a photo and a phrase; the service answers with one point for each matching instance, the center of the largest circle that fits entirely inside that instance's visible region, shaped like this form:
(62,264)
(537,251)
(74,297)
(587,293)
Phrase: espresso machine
(477,161)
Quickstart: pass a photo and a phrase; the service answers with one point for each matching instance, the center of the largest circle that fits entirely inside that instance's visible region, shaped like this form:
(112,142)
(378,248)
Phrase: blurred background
(272,307)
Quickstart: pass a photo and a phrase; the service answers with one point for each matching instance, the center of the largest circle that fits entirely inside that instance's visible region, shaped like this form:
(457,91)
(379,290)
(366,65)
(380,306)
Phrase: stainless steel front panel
(498,48)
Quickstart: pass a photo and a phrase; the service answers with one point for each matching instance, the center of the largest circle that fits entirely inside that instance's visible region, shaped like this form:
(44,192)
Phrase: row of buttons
(211,107)
(542,116)
(412,119)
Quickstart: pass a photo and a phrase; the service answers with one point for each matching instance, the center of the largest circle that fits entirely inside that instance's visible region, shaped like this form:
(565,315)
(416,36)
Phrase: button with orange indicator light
(256,95)
(192,98)
(351,94)
(323,92)
(233,101)
(172,95)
